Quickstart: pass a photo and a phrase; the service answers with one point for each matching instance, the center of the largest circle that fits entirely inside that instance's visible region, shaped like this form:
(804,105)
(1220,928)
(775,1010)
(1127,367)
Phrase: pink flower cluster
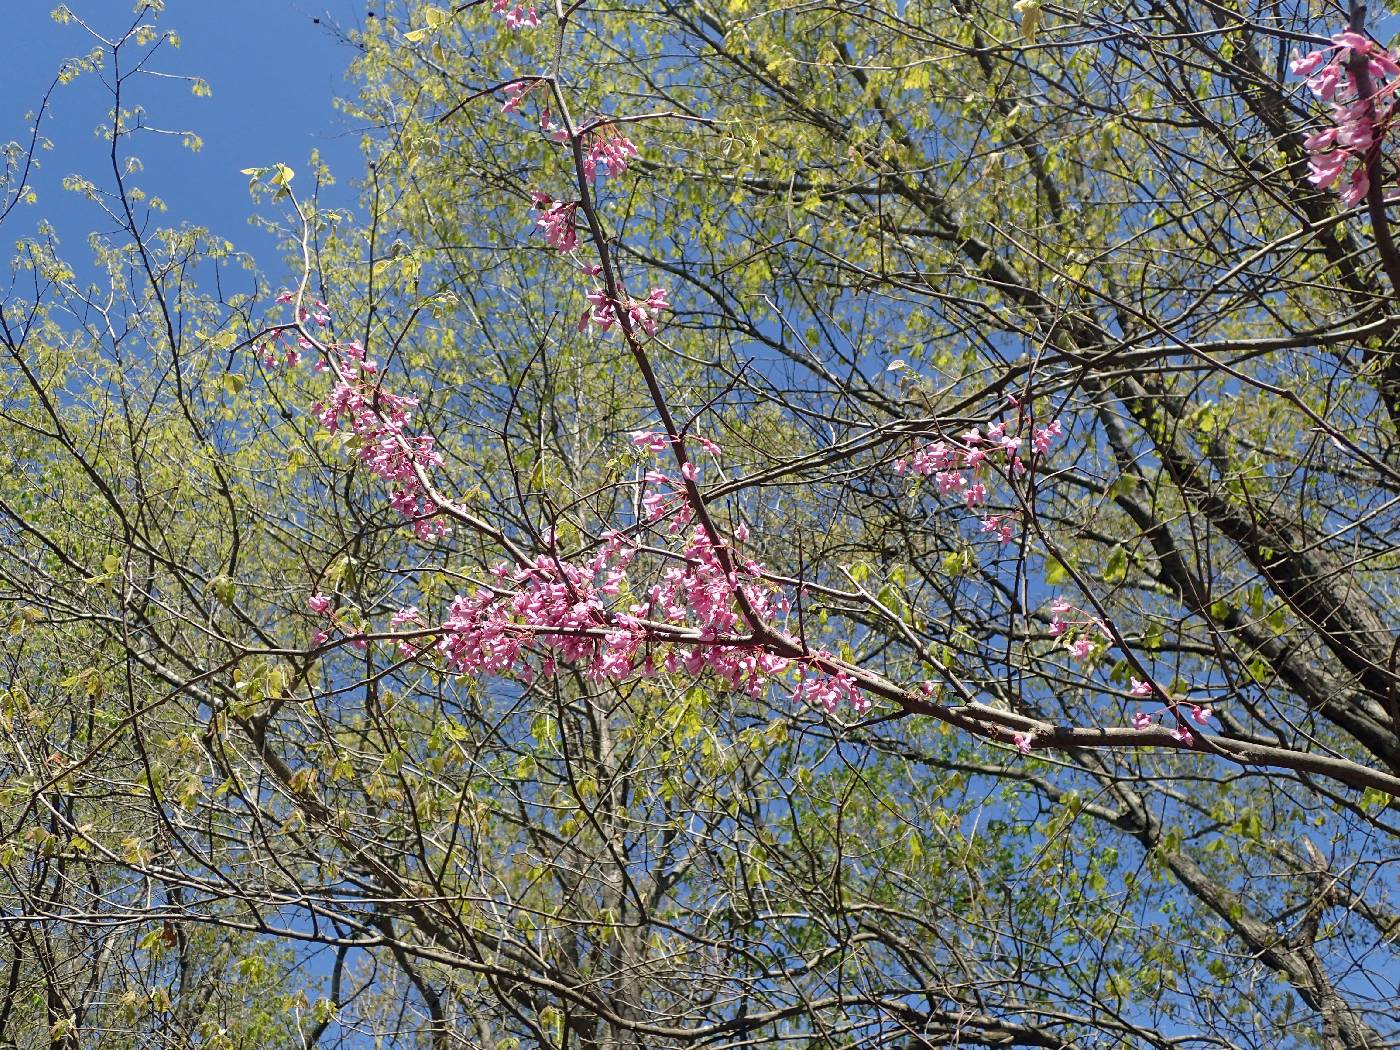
(657,443)
(322,605)
(643,313)
(557,221)
(1181,731)
(276,356)
(318,312)
(1358,123)
(517,16)
(1077,632)
(608,153)
(552,611)
(515,93)
(830,690)
(960,468)
(273,354)
(378,423)
(666,500)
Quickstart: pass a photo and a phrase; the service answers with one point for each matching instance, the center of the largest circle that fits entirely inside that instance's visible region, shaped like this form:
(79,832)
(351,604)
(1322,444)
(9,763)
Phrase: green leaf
(224,589)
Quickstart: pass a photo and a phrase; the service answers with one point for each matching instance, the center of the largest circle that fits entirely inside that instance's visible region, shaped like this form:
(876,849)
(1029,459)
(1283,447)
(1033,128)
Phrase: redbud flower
(517,16)
(1358,123)
(319,604)
(558,223)
(1141,688)
(1045,436)
(650,440)
(1141,720)
(951,481)
(608,154)
(515,94)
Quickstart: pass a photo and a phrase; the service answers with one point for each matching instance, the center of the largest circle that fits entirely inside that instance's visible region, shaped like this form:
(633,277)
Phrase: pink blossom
(1325,168)
(641,312)
(1045,436)
(651,441)
(320,604)
(608,154)
(1142,720)
(1382,64)
(1002,525)
(646,311)
(1023,742)
(1358,123)
(1057,628)
(1081,647)
(1141,688)
(515,94)
(560,231)
(829,691)
(1321,140)
(950,481)
(1357,187)
(552,131)
(1306,65)
(1324,85)
(1200,715)
(554,611)
(1355,41)
(929,458)
(1183,734)
(517,16)
(599,312)
(378,423)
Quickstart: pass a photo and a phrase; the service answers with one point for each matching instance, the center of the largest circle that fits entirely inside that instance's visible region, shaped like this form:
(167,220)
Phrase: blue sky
(274,73)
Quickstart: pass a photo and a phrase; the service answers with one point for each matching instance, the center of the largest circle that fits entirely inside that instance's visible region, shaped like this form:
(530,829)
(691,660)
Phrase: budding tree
(861,525)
